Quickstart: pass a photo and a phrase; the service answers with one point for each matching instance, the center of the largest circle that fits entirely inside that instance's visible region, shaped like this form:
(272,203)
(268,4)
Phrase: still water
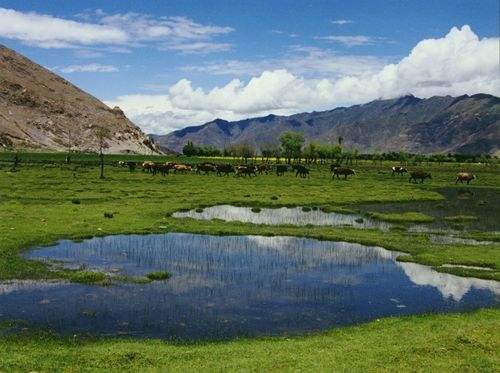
(281,216)
(232,286)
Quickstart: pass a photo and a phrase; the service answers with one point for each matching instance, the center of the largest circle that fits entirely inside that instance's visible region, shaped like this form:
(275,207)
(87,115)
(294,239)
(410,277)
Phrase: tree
(291,144)
(189,149)
(102,135)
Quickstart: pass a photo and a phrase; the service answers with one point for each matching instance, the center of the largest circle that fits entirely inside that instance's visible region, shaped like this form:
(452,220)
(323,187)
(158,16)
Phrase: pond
(281,216)
(233,286)
(462,210)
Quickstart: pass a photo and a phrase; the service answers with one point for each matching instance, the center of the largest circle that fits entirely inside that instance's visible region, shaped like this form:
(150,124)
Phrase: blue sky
(169,64)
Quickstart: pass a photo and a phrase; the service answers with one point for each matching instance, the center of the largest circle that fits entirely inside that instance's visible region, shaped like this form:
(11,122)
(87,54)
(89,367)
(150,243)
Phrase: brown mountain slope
(41,110)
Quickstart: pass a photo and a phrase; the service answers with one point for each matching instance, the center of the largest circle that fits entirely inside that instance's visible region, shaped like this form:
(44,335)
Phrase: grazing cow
(398,170)
(333,166)
(131,165)
(148,166)
(206,168)
(281,169)
(182,168)
(301,171)
(225,169)
(419,175)
(265,167)
(343,171)
(465,176)
(246,170)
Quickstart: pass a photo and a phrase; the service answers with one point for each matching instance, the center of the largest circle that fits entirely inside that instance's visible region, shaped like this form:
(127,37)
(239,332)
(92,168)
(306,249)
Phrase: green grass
(460,218)
(37,207)
(438,343)
(405,217)
(158,276)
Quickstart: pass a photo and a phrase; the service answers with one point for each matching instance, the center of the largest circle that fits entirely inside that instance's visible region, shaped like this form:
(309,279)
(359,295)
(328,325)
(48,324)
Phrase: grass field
(46,200)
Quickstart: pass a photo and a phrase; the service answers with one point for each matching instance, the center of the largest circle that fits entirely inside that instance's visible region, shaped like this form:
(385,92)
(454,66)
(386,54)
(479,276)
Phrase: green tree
(291,144)
(189,149)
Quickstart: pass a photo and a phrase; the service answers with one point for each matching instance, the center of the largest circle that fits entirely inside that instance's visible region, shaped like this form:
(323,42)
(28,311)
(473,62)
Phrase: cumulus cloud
(129,29)
(459,63)
(93,68)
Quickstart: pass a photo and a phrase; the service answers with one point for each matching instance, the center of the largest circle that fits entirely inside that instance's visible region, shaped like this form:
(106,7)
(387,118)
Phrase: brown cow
(244,170)
(422,175)
(465,176)
(182,168)
(337,171)
(148,166)
(264,168)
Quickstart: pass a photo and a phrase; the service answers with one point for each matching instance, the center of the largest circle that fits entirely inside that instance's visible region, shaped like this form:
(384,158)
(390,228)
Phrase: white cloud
(459,63)
(198,47)
(341,22)
(349,41)
(299,60)
(93,68)
(119,30)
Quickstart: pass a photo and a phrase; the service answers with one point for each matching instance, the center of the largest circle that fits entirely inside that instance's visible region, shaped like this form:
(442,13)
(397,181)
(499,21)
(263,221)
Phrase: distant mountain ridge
(464,124)
(41,110)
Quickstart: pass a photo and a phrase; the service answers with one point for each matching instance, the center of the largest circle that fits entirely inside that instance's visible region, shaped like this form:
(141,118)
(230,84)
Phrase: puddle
(464,209)
(467,267)
(233,286)
(281,216)
(451,240)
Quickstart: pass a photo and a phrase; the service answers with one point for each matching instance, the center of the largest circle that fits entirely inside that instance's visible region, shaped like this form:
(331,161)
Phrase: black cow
(419,175)
(225,169)
(301,171)
(281,169)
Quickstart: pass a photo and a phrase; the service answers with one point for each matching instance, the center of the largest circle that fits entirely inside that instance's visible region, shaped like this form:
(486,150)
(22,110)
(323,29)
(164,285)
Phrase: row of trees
(292,148)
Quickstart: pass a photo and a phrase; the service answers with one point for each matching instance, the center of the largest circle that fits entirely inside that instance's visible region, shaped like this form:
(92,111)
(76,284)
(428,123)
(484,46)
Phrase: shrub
(256,209)
(306,209)
(76,201)
(199,210)
(108,215)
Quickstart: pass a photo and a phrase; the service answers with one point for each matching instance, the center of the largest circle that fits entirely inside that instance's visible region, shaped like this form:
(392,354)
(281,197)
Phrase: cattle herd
(226,169)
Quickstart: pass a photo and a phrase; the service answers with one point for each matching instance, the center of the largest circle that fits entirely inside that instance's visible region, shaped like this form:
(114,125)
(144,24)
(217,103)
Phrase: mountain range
(41,110)
(444,124)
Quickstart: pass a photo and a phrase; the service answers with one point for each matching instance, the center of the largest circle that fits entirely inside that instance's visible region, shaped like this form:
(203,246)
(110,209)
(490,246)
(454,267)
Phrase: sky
(172,64)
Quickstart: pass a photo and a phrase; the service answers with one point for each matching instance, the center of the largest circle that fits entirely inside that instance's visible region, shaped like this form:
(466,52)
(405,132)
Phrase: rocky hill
(465,124)
(41,110)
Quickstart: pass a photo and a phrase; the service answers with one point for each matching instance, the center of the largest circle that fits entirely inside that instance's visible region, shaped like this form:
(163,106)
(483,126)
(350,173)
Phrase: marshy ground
(44,202)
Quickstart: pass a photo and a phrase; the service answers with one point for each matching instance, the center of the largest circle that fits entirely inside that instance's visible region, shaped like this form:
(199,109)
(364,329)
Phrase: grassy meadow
(45,200)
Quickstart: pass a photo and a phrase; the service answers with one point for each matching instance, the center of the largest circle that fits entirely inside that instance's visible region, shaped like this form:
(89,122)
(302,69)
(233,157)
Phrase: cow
(182,168)
(225,169)
(343,171)
(464,176)
(265,167)
(148,166)
(419,175)
(246,170)
(206,167)
(301,171)
(333,166)
(281,169)
(399,170)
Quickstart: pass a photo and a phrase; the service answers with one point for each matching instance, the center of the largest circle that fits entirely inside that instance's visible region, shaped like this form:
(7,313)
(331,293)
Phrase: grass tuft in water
(158,276)
(256,209)
(88,277)
(404,217)
(460,218)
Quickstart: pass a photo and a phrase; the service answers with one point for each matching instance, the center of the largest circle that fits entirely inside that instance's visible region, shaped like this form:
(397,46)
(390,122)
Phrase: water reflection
(222,287)
(281,216)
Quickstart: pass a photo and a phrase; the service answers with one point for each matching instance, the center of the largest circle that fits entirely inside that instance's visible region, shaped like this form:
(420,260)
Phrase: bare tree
(102,135)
